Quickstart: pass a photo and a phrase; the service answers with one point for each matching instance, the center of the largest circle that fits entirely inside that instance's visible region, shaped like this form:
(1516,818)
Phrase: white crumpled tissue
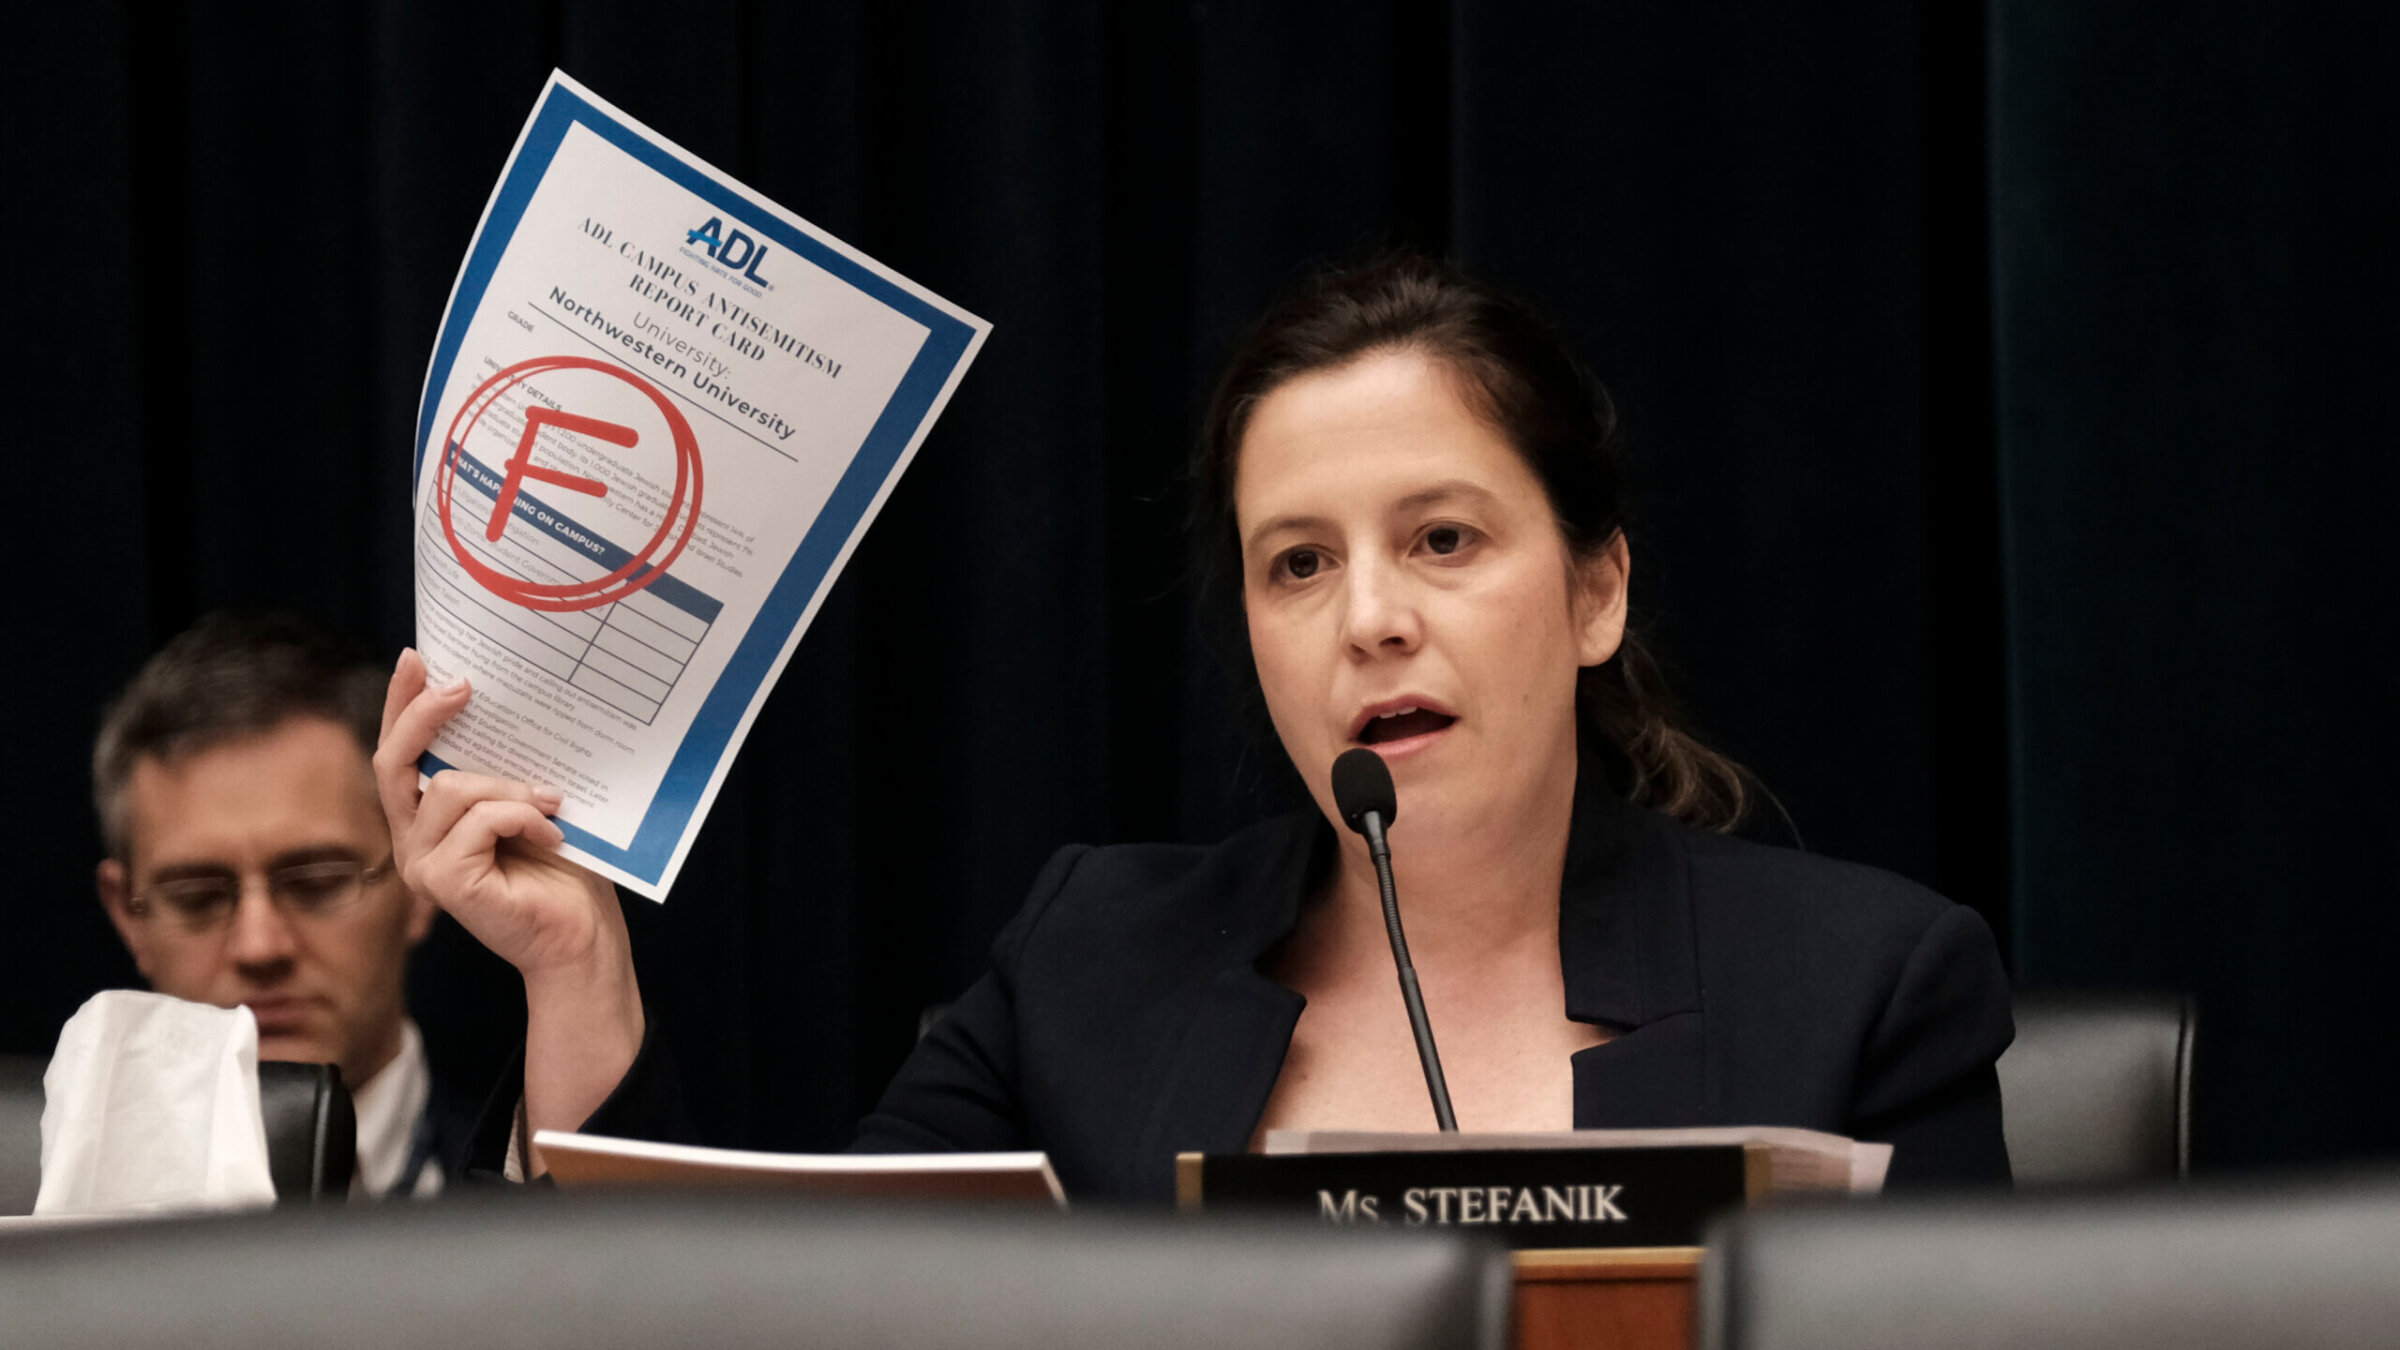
(151,1104)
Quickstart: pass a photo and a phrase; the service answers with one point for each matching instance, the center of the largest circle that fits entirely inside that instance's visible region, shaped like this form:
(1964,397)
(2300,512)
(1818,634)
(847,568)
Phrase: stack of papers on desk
(1799,1160)
(579,1160)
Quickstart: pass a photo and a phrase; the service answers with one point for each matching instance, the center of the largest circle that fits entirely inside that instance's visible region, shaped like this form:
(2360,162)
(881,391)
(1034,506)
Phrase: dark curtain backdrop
(1771,230)
(2193,246)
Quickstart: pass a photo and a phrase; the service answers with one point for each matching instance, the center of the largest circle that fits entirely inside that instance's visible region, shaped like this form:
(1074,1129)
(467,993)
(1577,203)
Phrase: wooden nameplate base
(1526,1198)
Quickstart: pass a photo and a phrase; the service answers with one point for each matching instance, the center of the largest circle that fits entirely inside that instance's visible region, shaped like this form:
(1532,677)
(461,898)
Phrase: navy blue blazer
(1125,1020)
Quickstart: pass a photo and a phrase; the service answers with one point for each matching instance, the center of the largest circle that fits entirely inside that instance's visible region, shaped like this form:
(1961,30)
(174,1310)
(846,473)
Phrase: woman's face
(1408,589)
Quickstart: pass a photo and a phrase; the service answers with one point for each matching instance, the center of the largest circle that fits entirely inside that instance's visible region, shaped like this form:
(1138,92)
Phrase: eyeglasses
(309,890)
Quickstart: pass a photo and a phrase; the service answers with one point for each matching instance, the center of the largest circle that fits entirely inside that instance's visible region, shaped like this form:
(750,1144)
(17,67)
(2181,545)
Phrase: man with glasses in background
(249,864)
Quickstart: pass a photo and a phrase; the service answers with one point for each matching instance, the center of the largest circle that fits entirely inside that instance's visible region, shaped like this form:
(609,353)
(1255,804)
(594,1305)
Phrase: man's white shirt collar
(390,1106)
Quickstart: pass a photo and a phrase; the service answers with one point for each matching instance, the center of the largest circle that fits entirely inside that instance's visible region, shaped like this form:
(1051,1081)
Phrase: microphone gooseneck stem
(1435,1084)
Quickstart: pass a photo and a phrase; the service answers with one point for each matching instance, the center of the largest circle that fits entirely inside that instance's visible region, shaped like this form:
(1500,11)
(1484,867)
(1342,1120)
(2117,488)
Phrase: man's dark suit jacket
(1125,1020)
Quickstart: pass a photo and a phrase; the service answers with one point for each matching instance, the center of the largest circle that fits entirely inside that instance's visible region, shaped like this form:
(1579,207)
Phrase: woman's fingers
(467,849)
(413,714)
(408,678)
(453,793)
(396,771)
(531,907)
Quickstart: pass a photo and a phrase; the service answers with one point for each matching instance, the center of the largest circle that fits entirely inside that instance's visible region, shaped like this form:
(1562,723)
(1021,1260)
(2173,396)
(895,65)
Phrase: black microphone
(1363,793)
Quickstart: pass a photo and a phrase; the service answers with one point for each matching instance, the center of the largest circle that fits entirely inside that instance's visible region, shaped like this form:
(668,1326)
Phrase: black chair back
(312,1131)
(598,1272)
(2098,1088)
(2292,1266)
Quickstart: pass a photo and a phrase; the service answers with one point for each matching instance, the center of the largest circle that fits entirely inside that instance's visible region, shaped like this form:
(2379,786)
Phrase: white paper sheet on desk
(660,414)
(151,1103)
(598,1160)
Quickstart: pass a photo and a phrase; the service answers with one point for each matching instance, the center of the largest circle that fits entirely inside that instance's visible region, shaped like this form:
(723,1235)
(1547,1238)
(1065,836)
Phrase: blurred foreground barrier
(2294,1265)
(532,1272)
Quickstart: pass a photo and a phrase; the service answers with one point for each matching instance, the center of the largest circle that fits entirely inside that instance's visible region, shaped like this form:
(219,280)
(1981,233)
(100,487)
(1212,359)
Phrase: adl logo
(731,247)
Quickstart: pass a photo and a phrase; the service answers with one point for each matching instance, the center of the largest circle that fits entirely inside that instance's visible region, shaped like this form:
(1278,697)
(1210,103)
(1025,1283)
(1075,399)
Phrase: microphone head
(1362,782)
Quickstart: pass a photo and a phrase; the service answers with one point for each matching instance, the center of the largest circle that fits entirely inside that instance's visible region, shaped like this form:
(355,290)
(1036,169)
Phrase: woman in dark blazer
(1416,494)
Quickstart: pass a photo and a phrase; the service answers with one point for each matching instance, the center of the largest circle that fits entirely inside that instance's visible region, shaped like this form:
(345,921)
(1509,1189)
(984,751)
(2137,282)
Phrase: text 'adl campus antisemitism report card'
(661,412)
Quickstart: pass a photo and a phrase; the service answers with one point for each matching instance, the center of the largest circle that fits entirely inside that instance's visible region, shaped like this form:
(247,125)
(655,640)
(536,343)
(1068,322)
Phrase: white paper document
(598,1160)
(661,412)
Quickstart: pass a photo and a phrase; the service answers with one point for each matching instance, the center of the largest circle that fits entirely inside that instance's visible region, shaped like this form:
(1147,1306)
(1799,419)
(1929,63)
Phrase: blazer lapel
(1210,1083)
(1625,943)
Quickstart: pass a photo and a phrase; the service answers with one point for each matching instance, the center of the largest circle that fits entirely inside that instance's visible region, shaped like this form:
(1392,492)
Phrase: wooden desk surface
(1633,1298)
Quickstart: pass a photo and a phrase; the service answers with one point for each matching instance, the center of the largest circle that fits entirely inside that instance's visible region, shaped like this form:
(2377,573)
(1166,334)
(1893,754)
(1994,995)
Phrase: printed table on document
(628,653)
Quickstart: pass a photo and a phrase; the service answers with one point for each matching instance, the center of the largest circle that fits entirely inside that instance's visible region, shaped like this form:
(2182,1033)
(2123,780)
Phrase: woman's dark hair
(1527,383)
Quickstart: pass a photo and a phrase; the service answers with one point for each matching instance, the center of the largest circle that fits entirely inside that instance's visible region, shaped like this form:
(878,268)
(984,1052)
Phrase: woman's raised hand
(485,849)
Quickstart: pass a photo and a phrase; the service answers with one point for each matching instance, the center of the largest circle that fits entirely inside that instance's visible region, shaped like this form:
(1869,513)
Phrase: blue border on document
(946,343)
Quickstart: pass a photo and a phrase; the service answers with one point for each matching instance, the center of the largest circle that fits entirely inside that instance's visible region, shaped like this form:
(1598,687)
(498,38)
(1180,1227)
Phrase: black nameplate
(1526,1198)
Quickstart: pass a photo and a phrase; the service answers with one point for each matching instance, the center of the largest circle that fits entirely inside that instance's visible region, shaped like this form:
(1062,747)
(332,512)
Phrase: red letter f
(522,467)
